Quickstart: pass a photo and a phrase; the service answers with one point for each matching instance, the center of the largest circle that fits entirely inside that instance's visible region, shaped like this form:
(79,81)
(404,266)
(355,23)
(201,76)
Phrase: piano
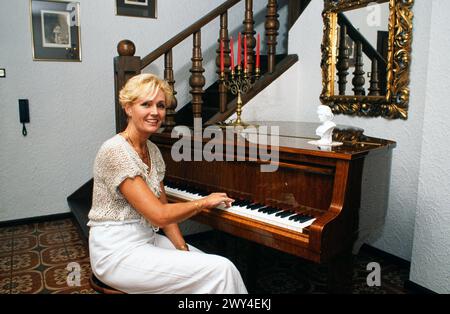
(310,206)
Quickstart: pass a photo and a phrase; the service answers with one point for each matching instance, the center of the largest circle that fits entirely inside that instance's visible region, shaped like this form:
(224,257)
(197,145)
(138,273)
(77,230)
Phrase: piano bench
(101,287)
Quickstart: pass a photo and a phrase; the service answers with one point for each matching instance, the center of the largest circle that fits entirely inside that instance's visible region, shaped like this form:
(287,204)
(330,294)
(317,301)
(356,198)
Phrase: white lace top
(115,161)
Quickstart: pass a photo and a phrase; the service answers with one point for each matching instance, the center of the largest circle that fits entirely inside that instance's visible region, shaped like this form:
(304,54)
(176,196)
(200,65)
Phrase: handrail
(296,8)
(152,56)
(355,35)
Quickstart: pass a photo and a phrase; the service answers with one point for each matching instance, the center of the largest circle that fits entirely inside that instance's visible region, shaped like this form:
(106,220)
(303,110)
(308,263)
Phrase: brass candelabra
(239,83)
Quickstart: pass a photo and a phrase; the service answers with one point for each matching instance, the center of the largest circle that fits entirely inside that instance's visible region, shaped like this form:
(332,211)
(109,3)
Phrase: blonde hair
(144,84)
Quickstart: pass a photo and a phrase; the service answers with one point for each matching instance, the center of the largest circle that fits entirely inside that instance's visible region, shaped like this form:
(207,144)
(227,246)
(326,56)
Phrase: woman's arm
(139,195)
(172,231)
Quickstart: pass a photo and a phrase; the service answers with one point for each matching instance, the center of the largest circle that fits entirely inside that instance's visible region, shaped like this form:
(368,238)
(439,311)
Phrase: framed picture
(138,8)
(55,30)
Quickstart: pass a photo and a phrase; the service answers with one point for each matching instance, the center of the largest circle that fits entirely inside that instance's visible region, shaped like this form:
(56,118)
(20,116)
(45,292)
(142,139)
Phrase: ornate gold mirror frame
(394,104)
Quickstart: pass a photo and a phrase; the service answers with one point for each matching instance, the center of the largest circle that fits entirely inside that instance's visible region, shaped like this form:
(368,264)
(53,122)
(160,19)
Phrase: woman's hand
(216,199)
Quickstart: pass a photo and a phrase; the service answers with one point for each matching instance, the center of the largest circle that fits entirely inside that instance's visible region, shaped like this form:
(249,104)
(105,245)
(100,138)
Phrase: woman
(129,205)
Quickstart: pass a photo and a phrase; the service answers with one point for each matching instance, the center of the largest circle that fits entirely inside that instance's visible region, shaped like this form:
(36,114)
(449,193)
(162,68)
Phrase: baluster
(223,35)
(169,77)
(343,60)
(250,34)
(197,80)
(126,65)
(358,79)
(271,25)
(374,89)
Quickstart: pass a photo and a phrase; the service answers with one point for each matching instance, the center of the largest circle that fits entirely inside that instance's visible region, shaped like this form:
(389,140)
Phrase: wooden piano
(317,187)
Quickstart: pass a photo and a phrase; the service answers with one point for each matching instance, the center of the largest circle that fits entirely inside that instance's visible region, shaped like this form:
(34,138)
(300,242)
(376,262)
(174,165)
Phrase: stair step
(80,202)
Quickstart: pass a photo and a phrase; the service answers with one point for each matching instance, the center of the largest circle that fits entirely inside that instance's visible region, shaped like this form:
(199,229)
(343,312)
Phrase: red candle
(221,56)
(232,53)
(245,53)
(239,50)
(258,44)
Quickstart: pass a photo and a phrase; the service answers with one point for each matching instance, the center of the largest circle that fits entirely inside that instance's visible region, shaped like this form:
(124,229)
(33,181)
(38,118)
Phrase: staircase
(214,104)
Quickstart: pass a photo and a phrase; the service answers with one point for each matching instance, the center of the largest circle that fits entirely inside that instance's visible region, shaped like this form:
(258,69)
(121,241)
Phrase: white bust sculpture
(325,130)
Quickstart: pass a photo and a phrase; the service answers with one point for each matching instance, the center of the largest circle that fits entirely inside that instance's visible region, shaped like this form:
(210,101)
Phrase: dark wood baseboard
(414,288)
(410,286)
(391,258)
(37,219)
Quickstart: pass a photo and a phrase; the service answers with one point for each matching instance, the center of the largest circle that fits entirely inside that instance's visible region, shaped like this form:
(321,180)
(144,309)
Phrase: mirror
(366,54)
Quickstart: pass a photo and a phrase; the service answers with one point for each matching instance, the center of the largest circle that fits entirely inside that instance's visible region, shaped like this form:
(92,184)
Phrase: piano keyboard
(274,216)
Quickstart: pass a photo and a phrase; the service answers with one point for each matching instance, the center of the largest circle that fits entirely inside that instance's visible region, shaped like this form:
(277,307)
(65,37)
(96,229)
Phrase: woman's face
(148,112)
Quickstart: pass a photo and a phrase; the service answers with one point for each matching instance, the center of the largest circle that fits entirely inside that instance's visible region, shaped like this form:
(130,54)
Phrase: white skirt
(132,258)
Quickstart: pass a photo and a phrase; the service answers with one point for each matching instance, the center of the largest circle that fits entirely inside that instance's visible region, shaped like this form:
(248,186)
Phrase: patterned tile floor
(36,259)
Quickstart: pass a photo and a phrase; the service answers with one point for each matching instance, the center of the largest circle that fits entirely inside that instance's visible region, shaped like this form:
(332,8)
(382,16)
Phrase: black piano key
(295,217)
(290,215)
(261,209)
(274,210)
(269,210)
(286,214)
(255,206)
(304,219)
(300,217)
(239,203)
(246,203)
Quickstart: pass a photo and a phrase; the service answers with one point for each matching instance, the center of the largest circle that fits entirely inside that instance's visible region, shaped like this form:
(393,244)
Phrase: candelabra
(239,83)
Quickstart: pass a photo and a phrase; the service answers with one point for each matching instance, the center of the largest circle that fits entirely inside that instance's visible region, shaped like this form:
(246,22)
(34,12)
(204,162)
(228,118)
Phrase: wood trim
(37,219)
(296,8)
(415,288)
(145,61)
(385,255)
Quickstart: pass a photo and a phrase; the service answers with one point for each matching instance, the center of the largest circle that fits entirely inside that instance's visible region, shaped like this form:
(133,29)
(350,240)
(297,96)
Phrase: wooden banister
(356,36)
(145,61)
(271,25)
(128,65)
(379,63)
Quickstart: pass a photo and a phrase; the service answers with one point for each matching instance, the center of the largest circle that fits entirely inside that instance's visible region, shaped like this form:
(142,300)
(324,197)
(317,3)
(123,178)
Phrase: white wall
(430,264)
(420,177)
(72,103)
